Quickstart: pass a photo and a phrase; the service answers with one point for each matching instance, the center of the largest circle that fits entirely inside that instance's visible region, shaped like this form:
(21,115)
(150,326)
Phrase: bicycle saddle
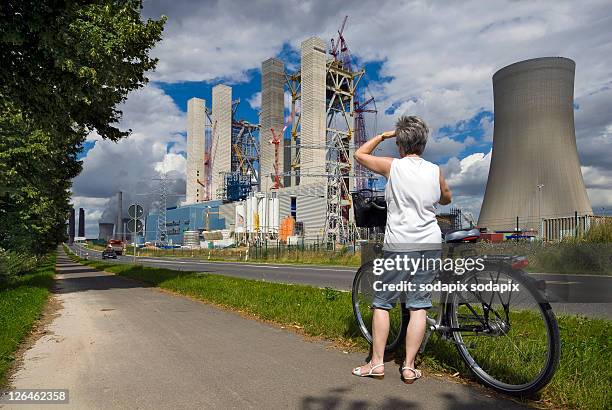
(462,235)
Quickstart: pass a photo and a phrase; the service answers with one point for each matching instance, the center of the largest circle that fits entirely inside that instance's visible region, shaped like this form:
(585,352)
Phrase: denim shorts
(414,299)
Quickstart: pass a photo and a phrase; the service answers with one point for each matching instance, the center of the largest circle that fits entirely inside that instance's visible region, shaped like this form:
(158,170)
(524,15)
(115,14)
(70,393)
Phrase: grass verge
(582,380)
(21,302)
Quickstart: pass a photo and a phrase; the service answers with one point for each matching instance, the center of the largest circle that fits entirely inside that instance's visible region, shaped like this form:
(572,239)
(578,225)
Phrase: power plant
(293,169)
(289,178)
(535,170)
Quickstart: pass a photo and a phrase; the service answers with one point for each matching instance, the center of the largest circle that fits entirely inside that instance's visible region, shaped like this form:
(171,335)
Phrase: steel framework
(244,176)
(162,233)
(341,89)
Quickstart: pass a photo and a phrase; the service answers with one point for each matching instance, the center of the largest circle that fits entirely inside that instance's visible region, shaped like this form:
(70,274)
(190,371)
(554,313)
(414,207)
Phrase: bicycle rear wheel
(510,340)
(363,296)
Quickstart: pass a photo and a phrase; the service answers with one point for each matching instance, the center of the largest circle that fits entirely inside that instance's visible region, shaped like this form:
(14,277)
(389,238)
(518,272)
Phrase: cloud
(467,179)
(157,144)
(255,101)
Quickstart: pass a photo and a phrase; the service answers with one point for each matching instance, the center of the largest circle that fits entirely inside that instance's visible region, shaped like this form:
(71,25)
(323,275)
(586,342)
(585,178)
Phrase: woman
(413,187)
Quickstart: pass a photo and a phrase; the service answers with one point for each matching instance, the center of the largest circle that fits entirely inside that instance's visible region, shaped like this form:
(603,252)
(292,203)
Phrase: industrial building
(535,170)
(293,169)
(209,216)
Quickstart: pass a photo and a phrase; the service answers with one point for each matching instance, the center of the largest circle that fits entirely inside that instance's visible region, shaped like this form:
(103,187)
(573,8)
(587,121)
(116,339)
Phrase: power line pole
(162,232)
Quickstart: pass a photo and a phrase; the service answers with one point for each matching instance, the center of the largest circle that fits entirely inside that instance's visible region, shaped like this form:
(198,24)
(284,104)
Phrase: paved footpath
(119,344)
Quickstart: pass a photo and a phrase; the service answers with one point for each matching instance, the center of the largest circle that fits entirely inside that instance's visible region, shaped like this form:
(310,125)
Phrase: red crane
(208,160)
(340,42)
(277,142)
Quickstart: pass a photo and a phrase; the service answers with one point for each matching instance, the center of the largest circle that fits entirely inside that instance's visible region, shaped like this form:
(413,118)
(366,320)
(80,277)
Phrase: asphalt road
(591,295)
(117,344)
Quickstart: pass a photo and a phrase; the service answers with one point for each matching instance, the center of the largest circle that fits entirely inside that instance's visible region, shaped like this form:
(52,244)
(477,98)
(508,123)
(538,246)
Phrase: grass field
(582,381)
(21,302)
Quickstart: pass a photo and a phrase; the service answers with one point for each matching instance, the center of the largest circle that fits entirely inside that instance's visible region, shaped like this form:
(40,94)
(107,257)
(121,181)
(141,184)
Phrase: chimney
(81,222)
(71,226)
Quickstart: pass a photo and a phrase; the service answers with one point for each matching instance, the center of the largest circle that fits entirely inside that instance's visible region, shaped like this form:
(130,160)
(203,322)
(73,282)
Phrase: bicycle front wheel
(363,296)
(509,339)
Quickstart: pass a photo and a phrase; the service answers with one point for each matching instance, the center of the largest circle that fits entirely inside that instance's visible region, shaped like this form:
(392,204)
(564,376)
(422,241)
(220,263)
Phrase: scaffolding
(344,130)
(244,176)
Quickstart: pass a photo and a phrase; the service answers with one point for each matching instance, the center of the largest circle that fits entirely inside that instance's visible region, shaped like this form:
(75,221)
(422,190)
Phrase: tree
(70,63)
(66,65)
(36,170)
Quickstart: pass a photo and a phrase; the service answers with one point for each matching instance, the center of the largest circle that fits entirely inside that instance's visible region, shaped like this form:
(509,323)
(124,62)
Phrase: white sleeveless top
(412,190)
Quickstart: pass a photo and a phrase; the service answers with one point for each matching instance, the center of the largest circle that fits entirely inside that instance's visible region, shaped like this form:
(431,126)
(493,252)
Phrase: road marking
(570,274)
(561,282)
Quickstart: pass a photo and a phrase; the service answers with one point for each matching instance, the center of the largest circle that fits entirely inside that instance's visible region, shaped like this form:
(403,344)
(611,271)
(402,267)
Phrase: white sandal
(357,371)
(410,380)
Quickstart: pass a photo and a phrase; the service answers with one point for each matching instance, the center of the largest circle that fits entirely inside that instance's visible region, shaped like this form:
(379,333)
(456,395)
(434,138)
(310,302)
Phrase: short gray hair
(411,134)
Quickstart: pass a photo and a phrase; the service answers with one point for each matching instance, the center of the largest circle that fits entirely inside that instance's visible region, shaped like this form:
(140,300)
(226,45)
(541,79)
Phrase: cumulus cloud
(131,165)
(467,179)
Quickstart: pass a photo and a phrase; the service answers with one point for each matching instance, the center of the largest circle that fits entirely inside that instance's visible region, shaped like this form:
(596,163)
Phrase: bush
(600,232)
(13,264)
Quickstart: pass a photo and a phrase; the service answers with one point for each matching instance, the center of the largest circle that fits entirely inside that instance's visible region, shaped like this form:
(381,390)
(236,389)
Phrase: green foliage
(69,63)
(66,65)
(13,264)
(35,174)
(21,302)
(600,232)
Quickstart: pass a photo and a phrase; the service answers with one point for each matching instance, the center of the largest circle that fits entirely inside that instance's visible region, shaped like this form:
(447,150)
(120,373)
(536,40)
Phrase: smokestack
(535,170)
(71,226)
(119,224)
(81,222)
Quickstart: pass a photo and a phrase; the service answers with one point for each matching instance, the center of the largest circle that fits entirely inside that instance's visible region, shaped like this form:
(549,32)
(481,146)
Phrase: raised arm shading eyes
(380,165)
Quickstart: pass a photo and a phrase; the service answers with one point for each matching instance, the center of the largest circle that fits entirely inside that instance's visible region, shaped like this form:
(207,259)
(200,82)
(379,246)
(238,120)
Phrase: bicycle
(481,324)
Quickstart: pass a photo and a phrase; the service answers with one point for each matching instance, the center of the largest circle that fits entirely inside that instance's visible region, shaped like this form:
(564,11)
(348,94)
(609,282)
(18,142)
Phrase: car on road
(117,245)
(109,253)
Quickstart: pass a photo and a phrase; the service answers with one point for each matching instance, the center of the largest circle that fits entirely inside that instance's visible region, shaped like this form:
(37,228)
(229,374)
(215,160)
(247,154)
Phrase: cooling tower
(535,171)
(105,231)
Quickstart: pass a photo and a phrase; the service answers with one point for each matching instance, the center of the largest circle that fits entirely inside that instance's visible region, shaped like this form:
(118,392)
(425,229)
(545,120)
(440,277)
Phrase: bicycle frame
(441,324)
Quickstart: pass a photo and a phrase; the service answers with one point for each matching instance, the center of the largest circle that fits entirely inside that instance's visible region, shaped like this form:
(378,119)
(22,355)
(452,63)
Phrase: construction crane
(341,43)
(277,142)
(361,138)
(208,160)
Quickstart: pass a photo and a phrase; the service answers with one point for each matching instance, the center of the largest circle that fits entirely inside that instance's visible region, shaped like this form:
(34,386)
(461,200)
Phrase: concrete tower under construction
(221,150)
(535,170)
(271,116)
(196,112)
(313,110)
